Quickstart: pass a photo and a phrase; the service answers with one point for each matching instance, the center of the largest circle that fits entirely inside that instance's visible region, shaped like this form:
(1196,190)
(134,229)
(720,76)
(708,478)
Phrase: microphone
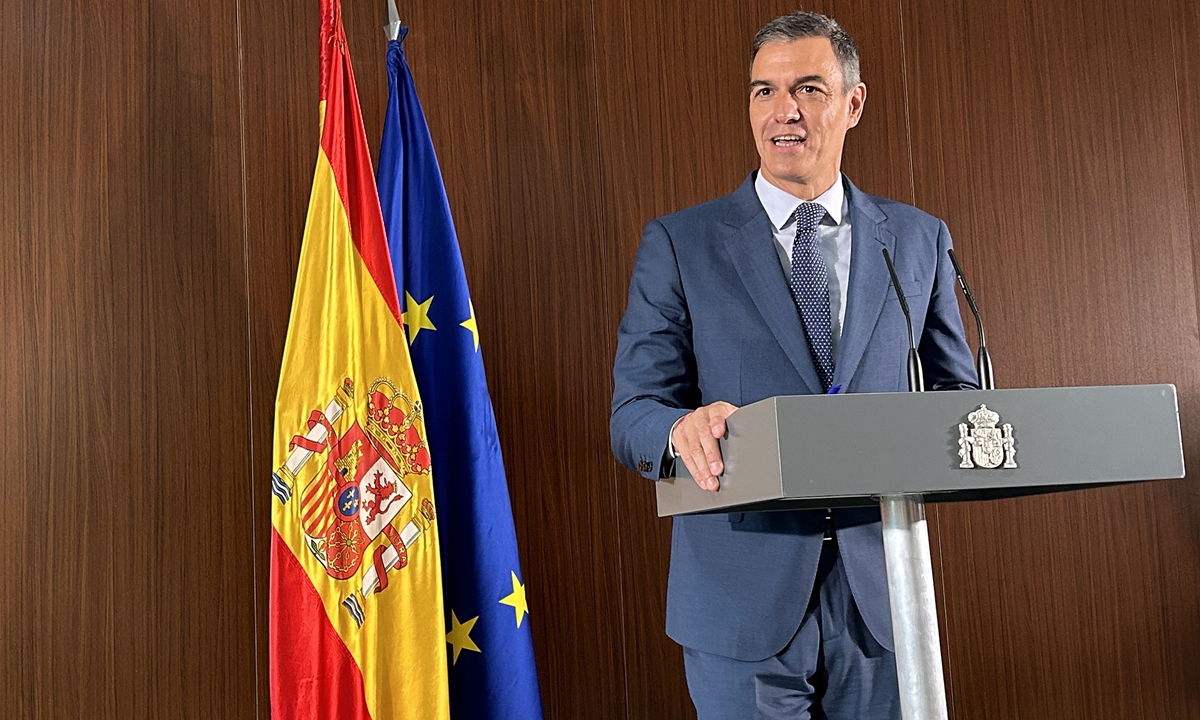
(916,376)
(983,361)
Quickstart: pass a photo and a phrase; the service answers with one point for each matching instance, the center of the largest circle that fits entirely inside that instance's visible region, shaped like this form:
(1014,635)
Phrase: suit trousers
(832,668)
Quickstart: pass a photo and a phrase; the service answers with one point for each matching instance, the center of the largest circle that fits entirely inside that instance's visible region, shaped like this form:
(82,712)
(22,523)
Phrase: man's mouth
(788,140)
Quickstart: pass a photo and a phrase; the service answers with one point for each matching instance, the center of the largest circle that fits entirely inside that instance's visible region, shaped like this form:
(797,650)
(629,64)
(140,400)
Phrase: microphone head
(962,282)
(983,361)
(958,273)
(887,258)
(912,339)
(916,374)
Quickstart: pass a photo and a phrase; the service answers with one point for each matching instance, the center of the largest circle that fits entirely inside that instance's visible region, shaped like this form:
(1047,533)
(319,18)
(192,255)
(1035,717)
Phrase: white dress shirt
(833,240)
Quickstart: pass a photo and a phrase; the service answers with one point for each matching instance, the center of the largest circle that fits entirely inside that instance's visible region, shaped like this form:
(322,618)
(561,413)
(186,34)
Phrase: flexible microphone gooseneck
(983,361)
(916,376)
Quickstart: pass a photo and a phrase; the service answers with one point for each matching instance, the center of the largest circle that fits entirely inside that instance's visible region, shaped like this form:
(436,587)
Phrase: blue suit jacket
(710,318)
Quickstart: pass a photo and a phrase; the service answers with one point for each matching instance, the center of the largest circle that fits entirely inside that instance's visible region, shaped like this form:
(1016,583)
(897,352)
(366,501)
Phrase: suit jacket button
(645,466)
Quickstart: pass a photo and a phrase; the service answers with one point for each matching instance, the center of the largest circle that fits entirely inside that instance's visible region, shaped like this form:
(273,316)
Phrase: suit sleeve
(945,355)
(654,373)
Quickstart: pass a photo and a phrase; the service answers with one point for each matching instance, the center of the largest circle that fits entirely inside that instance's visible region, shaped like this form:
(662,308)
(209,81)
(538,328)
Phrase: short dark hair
(797,25)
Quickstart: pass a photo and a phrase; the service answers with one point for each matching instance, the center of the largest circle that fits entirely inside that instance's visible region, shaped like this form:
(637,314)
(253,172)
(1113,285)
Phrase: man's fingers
(712,454)
(697,465)
(717,412)
(685,446)
(717,428)
(695,439)
(707,457)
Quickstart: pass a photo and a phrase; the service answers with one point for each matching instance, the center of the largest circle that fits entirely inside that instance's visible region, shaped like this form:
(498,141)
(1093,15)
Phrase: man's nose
(786,109)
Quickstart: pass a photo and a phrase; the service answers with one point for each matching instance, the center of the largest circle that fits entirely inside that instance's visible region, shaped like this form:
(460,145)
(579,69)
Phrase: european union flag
(492,672)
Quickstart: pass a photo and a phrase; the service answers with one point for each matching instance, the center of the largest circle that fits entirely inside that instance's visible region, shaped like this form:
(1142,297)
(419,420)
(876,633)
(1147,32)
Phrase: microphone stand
(910,577)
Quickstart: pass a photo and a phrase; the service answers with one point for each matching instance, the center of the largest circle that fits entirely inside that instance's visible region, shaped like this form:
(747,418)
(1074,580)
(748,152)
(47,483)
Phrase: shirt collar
(780,204)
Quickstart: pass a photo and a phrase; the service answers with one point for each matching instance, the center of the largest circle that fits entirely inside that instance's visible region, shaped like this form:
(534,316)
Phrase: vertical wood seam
(254,569)
(110,609)
(912,182)
(1188,190)
(601,221)
(947,661)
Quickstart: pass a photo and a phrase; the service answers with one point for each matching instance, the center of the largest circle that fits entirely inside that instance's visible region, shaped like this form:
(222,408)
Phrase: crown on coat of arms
(983,418)
(392,420)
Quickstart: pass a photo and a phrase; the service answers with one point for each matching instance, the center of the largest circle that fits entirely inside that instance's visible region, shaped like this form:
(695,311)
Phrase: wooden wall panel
(1185,17)
(877,154)
(128,589)
(1185,497)
(56,624)
(280,86)
(161,156)
(513,118)
(1063,191)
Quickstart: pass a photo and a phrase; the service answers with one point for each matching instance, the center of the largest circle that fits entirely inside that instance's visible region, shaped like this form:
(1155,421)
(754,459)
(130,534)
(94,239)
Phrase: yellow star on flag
(416,316)
(471,325)
(459,636)
(516,599)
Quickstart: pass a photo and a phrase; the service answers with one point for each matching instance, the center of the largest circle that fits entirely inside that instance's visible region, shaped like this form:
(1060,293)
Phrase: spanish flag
(357,626)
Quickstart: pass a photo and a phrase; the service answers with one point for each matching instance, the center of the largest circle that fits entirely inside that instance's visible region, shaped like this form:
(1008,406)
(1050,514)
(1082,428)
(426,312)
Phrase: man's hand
(695,439)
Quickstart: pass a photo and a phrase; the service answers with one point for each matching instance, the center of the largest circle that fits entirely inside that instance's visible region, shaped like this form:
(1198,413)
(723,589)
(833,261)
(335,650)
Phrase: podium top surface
(836,450)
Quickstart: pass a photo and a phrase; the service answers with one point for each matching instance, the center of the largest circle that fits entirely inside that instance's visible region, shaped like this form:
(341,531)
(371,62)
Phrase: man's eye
(763,92)
(809,89)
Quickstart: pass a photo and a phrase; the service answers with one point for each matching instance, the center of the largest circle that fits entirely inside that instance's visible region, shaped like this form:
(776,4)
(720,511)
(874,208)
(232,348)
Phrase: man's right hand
(695,440)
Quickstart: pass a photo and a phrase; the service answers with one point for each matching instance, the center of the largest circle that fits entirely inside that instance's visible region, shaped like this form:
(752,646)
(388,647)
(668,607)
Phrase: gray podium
(903,449)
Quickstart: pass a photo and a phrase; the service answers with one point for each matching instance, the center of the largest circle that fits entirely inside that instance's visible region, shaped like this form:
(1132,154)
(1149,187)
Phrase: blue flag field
(492,671)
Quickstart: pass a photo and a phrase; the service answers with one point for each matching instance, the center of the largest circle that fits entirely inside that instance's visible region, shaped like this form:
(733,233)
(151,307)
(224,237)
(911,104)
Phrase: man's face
(800,112)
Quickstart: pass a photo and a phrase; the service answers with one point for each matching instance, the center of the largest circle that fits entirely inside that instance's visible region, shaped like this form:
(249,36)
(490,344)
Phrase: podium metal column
(914,612)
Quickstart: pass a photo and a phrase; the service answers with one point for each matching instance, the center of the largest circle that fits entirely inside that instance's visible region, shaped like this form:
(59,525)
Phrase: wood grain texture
(129,593)
(512,115)
(1185,17)
(280,85)
(147,287)
(1063,193)
(877,153)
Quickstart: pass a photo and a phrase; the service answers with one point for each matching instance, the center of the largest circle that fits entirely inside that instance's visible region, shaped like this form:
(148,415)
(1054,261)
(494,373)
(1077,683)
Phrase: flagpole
(392,29)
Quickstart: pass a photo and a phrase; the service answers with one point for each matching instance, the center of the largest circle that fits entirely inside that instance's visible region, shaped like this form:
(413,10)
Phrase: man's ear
(858,99)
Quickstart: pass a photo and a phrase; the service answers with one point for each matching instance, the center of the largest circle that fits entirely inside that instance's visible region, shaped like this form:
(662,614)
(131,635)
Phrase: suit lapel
(869,282)
(751,248)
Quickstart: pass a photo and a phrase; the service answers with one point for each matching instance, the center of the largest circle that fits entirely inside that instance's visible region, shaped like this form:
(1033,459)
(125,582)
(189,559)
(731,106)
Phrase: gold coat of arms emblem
(985,445)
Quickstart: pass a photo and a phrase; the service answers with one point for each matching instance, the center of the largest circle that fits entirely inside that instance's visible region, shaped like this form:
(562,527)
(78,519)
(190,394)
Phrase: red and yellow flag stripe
(357,625)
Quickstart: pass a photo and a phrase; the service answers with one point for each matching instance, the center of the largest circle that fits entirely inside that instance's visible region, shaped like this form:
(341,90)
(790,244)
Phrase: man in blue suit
(781,289)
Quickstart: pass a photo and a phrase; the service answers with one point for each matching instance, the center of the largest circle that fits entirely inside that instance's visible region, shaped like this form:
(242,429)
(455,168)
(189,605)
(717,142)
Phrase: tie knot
(809,215)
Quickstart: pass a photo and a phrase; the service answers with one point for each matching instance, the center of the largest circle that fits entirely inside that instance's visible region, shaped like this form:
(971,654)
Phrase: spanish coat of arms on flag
(357,628)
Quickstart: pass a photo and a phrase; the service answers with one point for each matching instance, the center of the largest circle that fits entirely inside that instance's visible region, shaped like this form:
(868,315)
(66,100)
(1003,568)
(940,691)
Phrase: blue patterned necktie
(810,288)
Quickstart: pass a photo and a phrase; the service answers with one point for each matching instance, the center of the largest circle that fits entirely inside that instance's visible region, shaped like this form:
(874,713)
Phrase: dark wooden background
(156,162)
